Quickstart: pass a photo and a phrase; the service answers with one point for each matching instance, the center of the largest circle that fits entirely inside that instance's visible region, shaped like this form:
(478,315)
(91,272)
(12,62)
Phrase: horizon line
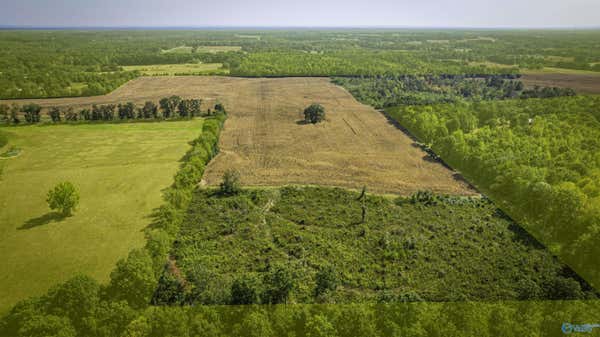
(276,27)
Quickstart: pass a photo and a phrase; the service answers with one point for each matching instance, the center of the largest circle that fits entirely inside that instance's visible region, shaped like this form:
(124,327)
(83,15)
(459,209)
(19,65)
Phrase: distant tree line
(386,91)
(173,107)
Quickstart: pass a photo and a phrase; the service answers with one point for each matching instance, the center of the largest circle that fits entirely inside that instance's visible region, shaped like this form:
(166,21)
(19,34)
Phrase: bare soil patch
(582,83)
(265,140)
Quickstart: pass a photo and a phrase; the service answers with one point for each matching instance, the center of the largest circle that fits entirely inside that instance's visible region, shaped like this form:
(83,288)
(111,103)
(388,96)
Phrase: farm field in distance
(586,82)
(179,69)
(120,170)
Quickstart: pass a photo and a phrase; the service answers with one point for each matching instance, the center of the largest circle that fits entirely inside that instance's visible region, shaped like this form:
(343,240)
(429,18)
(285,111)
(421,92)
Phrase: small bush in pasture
(64,197)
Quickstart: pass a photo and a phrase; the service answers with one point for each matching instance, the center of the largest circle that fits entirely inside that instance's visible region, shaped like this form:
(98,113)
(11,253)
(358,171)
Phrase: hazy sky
(429,13)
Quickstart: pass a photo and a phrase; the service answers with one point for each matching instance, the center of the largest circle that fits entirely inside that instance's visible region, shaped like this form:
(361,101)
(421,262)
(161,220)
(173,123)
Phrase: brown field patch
(265,140)
(582,83)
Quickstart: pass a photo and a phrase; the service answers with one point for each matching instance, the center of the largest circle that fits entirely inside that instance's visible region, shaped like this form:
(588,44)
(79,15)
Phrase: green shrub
(231,183)
(244,290)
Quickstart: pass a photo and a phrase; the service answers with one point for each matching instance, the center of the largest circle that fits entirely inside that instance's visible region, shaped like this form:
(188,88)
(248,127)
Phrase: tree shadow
(43,220)
(302,122)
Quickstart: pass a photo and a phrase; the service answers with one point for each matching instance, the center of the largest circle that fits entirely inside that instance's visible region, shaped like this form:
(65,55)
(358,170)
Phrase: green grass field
(201,49)
(179,69)
(119,169)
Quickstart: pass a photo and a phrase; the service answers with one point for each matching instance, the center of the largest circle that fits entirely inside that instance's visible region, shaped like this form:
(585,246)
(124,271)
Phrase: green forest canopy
(81,63)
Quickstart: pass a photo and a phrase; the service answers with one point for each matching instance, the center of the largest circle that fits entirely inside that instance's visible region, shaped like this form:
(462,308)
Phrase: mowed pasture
(179,69)
(266,140)
(120,170)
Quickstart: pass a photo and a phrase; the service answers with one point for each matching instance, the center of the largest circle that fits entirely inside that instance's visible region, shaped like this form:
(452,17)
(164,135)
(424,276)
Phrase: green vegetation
(171,108)
(312,248)
(83,307)
(309,245)
(63,197)
(70,63)
(179,69)
(119,170)
(231,183)
(315,113)
(3,139)
(385,91)
(538,158)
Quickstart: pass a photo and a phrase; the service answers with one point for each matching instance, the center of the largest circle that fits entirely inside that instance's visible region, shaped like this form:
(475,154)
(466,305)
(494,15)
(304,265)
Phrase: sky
(301,13)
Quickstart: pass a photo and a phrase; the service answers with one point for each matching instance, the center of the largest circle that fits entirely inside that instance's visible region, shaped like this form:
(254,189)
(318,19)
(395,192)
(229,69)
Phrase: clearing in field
(179,69)
(119,169)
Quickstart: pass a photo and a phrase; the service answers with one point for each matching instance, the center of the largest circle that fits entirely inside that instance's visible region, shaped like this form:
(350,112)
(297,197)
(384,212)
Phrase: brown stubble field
(588,83)
(266,141)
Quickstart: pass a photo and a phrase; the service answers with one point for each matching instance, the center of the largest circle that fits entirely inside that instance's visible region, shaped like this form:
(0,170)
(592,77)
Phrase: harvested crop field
(266,141)
(581,83)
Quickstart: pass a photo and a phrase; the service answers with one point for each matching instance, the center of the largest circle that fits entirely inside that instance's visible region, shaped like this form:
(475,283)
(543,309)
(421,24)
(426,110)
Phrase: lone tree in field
(231,183)
(314,114)
(64,197)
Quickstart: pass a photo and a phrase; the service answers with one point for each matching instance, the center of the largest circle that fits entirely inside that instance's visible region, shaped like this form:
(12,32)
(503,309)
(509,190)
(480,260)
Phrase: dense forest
(81,63)
(538,158)
(386,91)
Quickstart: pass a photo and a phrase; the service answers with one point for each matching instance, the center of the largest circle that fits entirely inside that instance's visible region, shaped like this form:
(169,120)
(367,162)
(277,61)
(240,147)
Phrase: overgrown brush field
(119,169)
(309,245)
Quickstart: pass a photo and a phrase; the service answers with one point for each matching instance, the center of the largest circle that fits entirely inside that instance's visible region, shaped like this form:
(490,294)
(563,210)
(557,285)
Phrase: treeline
(386,91)
(501,319)
(352,63)
(82,306)
(70,63)
(539,159)
(167,108)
